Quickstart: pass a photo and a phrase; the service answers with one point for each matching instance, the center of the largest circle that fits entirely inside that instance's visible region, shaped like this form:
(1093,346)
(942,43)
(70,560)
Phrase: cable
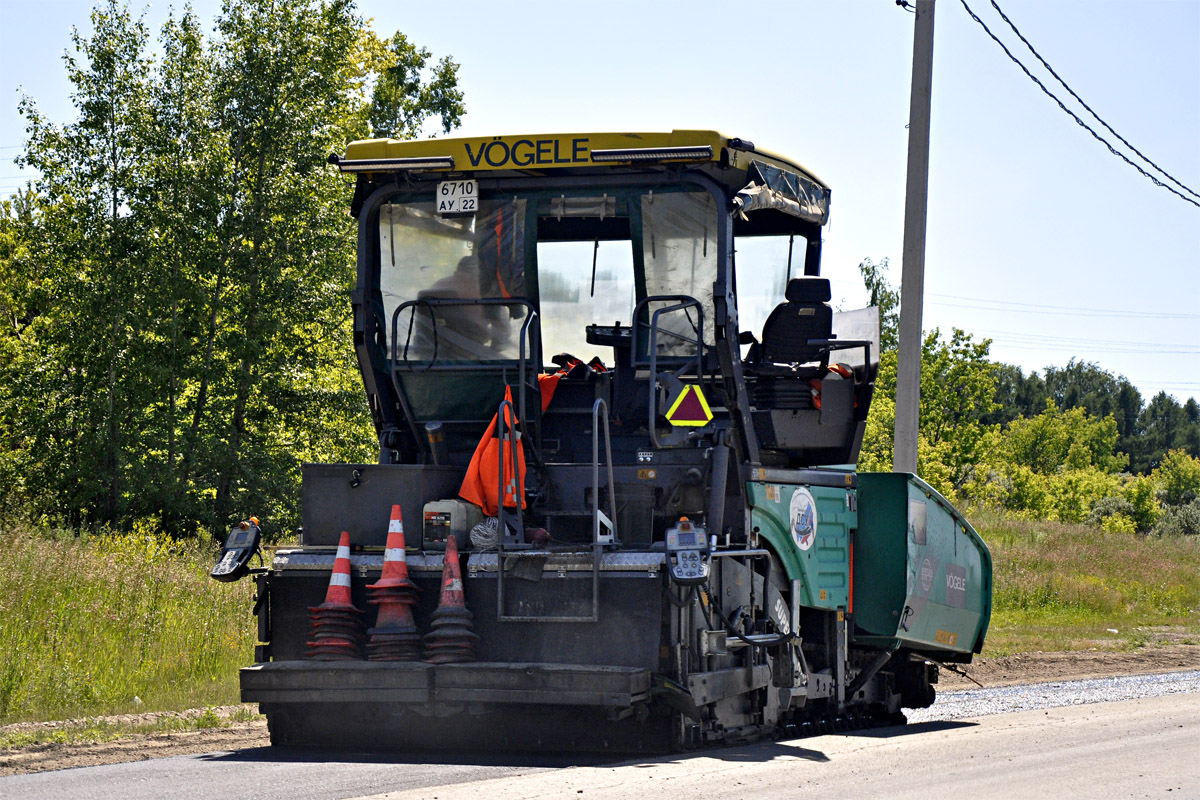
(1074,348)
(1124,141)
(1071,113)
(1068,312)
(1034,338)
(729,628)
(1106,311)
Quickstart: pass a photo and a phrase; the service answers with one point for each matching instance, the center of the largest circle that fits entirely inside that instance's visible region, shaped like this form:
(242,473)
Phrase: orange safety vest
(481,485)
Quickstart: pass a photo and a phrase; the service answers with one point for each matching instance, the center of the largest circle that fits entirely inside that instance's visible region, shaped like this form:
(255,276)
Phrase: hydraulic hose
(773,642)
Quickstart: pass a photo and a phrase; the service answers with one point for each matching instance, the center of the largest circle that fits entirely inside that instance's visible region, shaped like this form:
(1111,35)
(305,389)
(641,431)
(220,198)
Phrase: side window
(761,265)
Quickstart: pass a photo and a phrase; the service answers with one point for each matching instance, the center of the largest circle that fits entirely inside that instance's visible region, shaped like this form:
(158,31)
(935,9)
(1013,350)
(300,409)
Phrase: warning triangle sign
(690,408)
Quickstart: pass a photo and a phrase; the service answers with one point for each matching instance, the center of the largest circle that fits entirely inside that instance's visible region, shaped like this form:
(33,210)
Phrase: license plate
(457,197)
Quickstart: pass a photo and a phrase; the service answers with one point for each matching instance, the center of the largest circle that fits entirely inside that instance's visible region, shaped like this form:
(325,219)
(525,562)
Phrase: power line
(1071,113)
(1124,141)
(1039,308)
(1066,312)
(1098,311)
(1036,337)
(1074,349)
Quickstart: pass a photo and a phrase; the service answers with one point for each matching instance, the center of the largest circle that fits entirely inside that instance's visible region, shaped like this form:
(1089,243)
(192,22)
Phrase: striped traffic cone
(395,636)
(337,623)
(452,636)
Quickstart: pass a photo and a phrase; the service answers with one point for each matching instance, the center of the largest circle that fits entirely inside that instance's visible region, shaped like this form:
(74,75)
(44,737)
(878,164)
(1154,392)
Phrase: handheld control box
(241,545)
(688,553)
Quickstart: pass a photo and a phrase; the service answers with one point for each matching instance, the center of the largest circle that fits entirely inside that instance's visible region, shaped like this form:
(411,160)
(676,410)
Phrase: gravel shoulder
(991,672)
(1044,667)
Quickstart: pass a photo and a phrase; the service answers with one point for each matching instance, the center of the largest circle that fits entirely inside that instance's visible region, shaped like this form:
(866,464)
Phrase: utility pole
(912,280)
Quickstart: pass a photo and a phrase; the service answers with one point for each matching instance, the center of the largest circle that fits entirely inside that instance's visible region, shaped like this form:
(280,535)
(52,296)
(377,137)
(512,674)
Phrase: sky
(1038,238)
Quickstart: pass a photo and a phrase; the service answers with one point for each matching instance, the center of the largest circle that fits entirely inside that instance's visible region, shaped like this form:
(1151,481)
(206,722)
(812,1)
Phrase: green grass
(116,624)
(1067,587)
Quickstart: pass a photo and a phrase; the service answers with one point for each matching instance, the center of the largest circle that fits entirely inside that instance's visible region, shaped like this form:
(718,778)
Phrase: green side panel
(930,574)
(817,555)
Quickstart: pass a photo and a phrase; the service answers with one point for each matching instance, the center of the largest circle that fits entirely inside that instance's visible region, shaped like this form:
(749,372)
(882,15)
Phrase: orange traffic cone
(395,636)
(452,637)
(337,623)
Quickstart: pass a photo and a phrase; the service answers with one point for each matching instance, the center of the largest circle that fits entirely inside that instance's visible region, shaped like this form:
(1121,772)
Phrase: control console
(688,553)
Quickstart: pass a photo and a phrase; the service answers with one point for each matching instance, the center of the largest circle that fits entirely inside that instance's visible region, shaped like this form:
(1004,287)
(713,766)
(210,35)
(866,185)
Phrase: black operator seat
(806,315)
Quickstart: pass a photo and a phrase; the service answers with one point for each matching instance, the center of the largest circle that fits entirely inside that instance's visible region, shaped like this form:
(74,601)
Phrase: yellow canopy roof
(549,151)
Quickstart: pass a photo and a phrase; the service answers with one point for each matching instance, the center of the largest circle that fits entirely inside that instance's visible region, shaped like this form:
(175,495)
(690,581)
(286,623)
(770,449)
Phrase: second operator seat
(805,316)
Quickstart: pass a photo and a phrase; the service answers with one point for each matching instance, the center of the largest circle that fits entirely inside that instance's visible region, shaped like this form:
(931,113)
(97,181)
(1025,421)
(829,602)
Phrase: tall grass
(116,624)
(1068,587)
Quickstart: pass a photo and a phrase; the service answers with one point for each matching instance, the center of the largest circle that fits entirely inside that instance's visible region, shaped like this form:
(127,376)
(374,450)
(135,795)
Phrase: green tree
(78,406)
(1084,384)
(1178,478)
(1017,394)
(1191,436)
(1056,440)
(957,387)
(1162,426)
(883,296)
(176,294)
(409,91)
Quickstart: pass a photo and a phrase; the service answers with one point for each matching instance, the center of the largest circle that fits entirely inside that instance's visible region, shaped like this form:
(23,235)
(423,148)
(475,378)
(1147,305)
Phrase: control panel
(688,553)
(241,545)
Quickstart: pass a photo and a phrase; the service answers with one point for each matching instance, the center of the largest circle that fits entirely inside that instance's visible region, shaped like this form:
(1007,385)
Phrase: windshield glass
(580,284)
(446,265)
(679,241)
(464,284)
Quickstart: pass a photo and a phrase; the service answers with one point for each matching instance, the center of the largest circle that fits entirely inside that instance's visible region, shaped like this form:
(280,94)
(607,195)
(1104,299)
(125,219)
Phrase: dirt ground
(1002,671)
(1042,667)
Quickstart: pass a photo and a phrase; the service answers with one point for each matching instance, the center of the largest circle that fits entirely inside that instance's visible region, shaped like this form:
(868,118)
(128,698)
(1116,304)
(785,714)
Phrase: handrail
(682,302)
(514,487)
(599,412)
(438,302)
(597,515)
(527,362)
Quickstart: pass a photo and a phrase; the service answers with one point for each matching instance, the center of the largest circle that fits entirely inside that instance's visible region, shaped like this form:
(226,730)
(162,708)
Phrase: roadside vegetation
(115,624)
(1075,587)
(1073,444)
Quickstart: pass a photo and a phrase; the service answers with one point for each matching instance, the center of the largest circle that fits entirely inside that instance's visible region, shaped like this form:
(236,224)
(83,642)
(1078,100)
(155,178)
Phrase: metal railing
(600,520)
(680,303)
(529,361)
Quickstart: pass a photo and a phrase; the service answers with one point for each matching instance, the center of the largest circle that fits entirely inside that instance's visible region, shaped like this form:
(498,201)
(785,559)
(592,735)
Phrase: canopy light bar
(640,154)
(391,164)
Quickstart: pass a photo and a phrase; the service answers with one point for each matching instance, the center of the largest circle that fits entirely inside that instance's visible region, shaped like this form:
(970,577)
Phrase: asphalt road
(1077,739)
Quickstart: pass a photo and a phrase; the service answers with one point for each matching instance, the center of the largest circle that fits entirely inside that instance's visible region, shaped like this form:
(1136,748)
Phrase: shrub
(1141,491)
(1179,521)
(1073,492)
(1178,475)
(1107,507)
(1119,523)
